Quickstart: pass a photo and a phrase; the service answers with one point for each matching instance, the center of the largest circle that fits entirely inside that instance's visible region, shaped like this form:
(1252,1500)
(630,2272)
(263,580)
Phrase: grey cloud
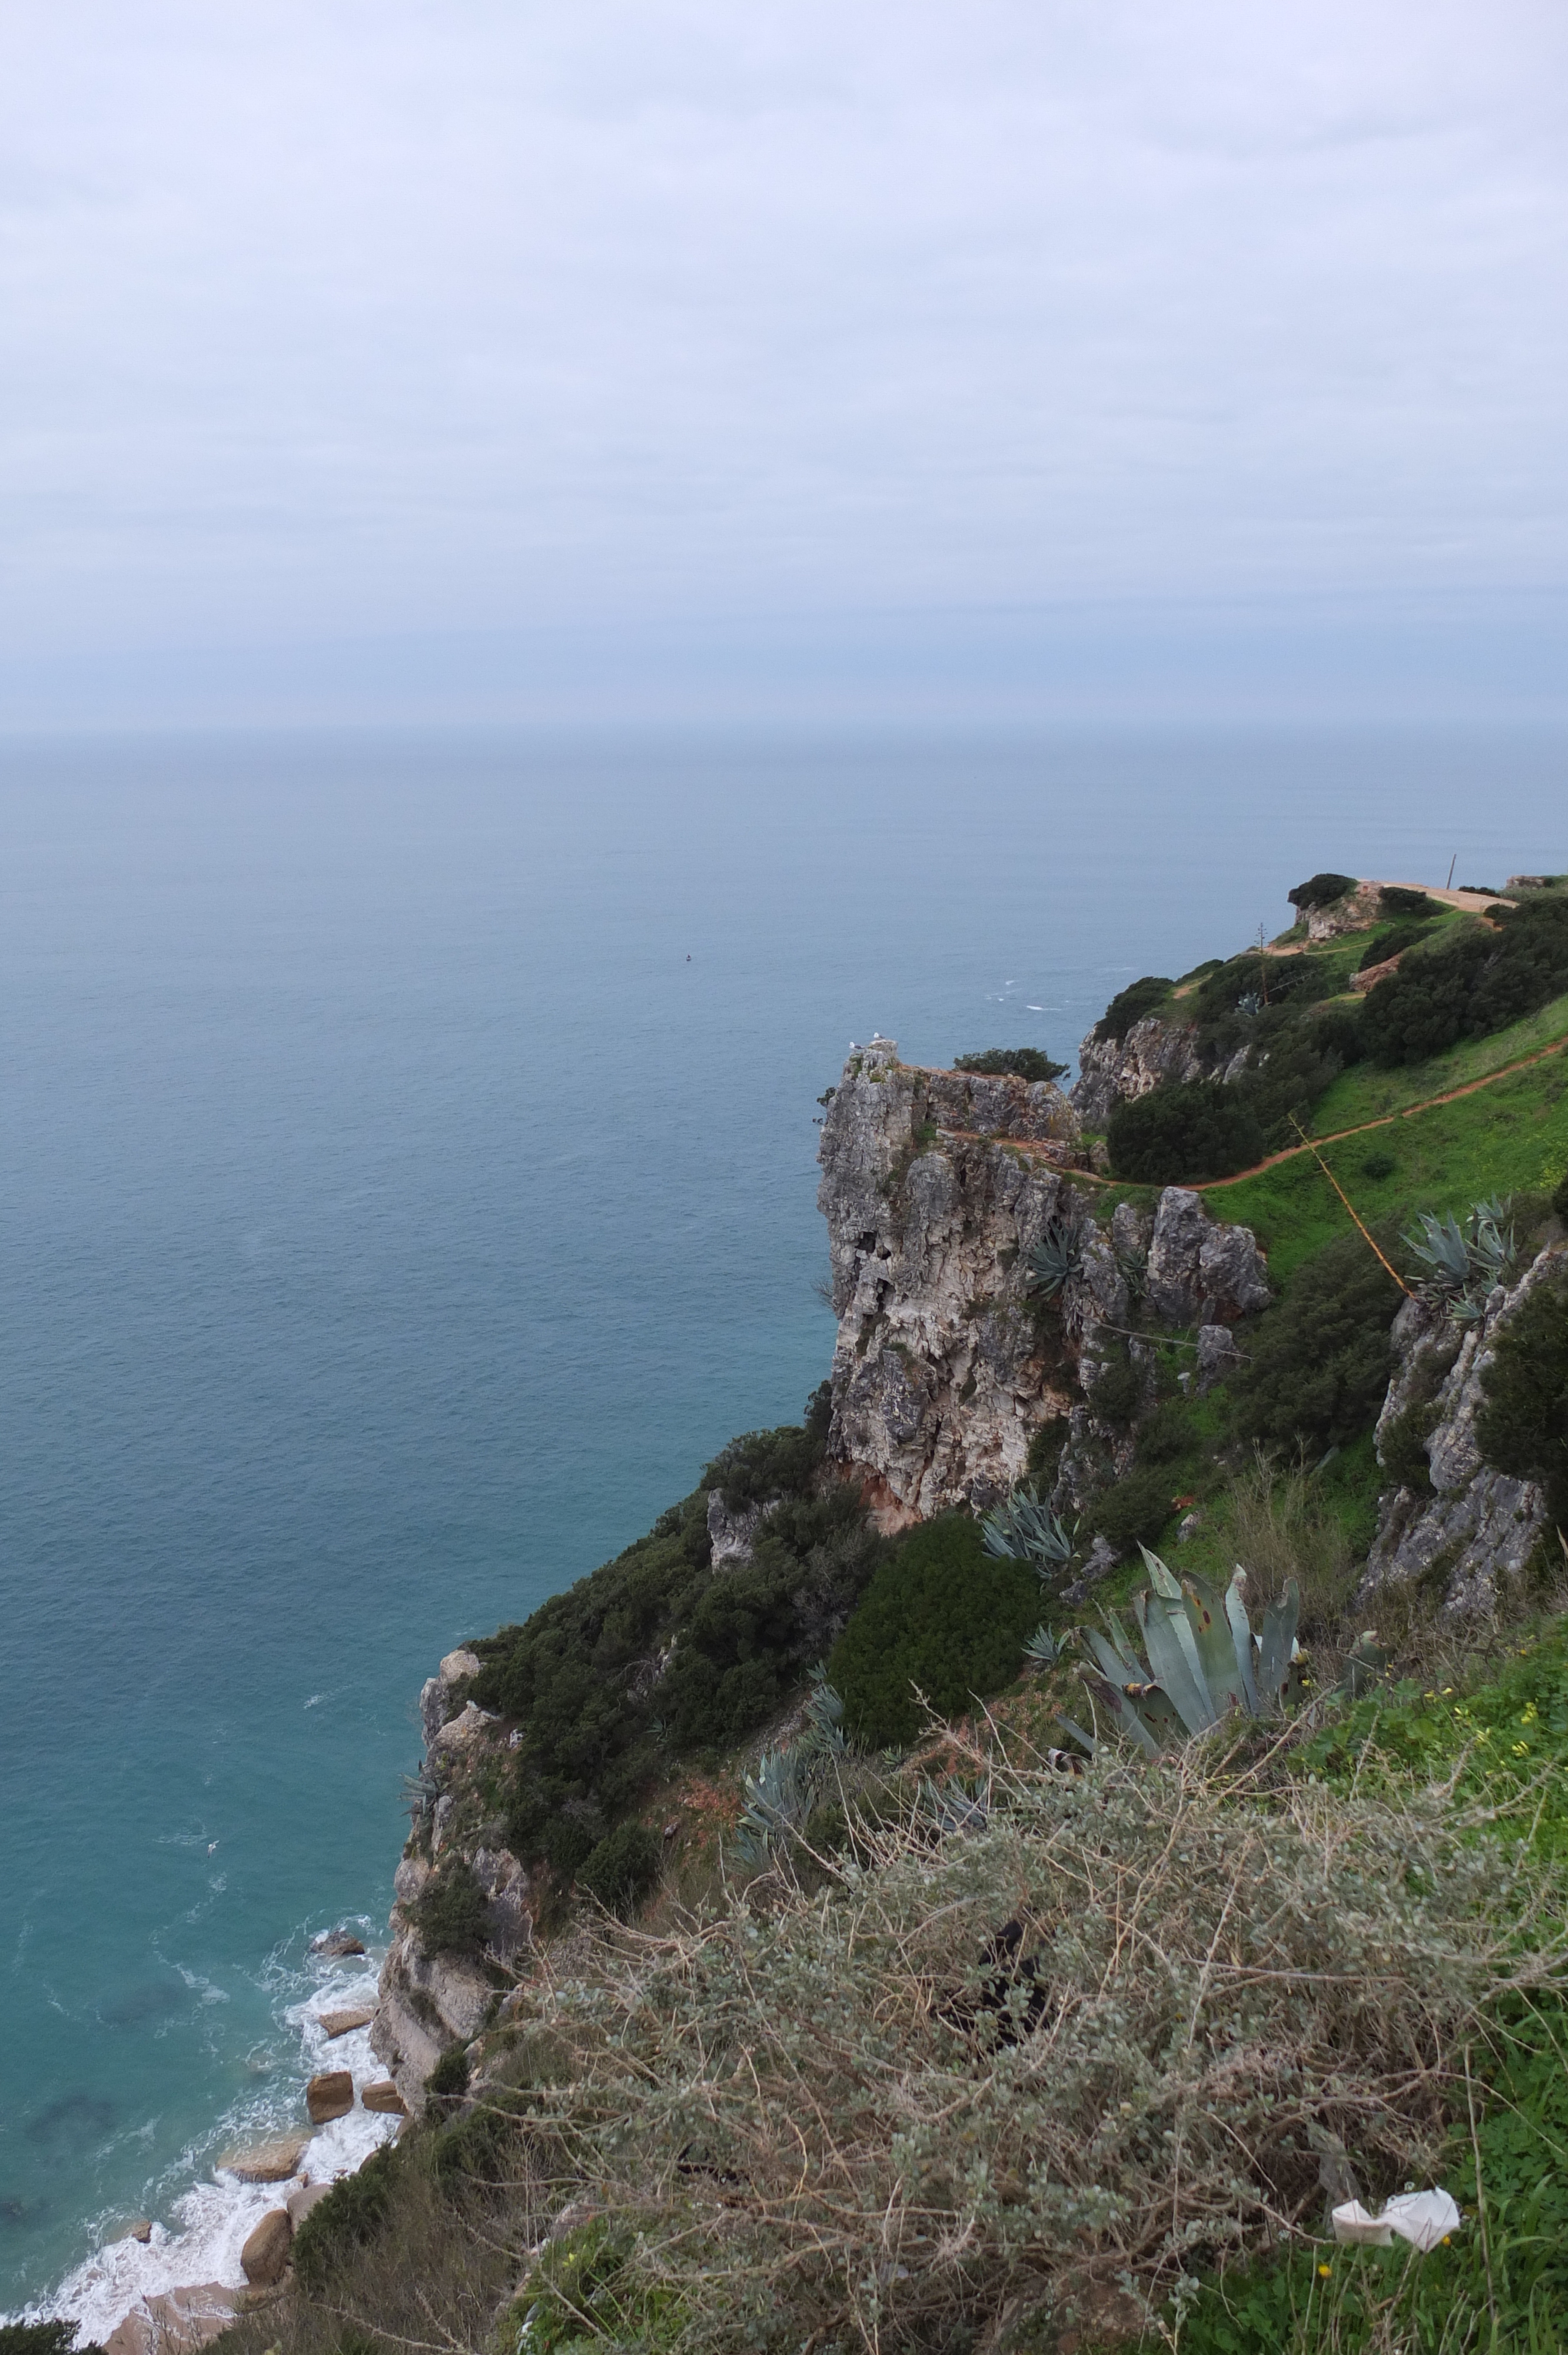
(405,324)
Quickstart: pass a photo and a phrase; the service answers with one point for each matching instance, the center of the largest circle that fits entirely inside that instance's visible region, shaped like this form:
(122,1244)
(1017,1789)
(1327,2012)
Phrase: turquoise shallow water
(407,1160)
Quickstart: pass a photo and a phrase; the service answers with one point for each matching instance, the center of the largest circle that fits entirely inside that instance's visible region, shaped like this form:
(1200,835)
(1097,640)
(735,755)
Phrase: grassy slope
(1365,1093)
(1511,1137)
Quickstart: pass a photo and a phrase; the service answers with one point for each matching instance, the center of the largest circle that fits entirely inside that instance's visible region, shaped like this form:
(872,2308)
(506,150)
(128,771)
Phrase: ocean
(409,1177)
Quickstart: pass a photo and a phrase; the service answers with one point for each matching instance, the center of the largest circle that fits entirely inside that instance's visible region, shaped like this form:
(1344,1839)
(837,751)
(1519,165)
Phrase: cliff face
(935,1189)
(1472,1526)
(1113,1071)
(428,2000)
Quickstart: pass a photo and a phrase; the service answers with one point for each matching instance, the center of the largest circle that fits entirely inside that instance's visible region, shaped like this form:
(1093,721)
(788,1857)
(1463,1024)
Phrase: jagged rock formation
(1473,1526)
(426,2001)
(940,1374)
(1113,1070)
(943,1371)
(1356,912)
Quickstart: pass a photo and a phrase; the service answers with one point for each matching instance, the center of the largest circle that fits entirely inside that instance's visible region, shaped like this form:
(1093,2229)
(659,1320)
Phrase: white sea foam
(210,2221)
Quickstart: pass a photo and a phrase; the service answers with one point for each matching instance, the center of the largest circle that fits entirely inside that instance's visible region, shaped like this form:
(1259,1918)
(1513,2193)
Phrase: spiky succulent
(1204,1662)
(1463,1259)
(1022,1529)
(1057,1257)
(1043,1650)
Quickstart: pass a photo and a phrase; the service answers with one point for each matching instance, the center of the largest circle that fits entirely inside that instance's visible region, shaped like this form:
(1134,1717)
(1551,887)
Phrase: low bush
(940,1614)
(1472,980)
(653,1658)
(1134,1511)
(1118,1390)
(847,2114)
(1395,899)
(354,2212)
(1560,1197)
(1284,1528)
(1184,1131)
(1522,1428)
(1403,1446)
(451,1912)
(1321,891)
(449,2079)
(1392,944)
(1379,1165)
(622,1869)
(43,2338)
(1320,1360)
(1167,1437)
(1131,1004)
(1021,1062)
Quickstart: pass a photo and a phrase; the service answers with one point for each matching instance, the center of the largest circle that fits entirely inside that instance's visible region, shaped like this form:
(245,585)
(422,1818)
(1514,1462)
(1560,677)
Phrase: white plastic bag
(1421,2218)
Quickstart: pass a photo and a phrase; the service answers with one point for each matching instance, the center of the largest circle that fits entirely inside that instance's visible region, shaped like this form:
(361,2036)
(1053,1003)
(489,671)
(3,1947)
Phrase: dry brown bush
(815,2149)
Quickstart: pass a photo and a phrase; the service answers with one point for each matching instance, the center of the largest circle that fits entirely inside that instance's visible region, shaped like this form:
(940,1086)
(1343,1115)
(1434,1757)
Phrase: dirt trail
(1290,1152)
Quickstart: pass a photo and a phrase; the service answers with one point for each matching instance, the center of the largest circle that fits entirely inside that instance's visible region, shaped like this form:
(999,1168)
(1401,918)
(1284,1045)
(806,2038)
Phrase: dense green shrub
(478,2149)
(354,2212)
(1022,1063)
(1320,1362)
(1117,1391)
(1131,1004)
(1134,1511)
(1185,1131)
(42,2339)
(1560,1197)
(1167,1437)
(448,2078)
(1336,1031)
(1391,943)
(942,1614)
(451,1912)
(1378,1165)
(1522,1429)
(1402,1446)
(1395,900)
(1472,980)
(654,1658)
(762,1465)
(1321,891)
(622,1869)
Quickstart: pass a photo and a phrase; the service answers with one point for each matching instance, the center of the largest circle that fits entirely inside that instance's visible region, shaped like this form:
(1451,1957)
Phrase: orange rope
(1349,1206)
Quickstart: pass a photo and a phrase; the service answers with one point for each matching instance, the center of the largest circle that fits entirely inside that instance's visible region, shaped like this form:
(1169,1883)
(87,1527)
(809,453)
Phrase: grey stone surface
(438,1697)
(732,1535)
(1475,1525)
(1217,1355)
(1113,1070)
(1200,1271)
(940,1378)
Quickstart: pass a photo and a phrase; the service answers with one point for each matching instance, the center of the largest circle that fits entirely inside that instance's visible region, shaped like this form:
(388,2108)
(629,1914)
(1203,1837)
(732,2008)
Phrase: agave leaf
(1169,1589)
(1168,1656)
(1160,1578)
(1122,1712)
(1241,1636)
(1114,1657)
(1275,1642)
(1153,1705)
(1123,1642)
(1364,1663)
(1216,1652)
(1070,1725)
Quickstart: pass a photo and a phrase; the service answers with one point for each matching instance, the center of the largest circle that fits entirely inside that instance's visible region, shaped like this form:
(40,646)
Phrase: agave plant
(778,1801)
(1203,1660)
(1042,1650)
(1057,1257)
(1464,1258)
(824,1734)
(1024,1530)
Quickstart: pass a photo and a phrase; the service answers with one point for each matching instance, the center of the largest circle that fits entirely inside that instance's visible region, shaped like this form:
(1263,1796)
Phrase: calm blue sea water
(407,1166)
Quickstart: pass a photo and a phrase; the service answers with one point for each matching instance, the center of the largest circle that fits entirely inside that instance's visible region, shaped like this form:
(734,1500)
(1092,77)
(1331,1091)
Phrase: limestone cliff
(1113,1070)
(428,2000)
(935,1189)
(1472,1526)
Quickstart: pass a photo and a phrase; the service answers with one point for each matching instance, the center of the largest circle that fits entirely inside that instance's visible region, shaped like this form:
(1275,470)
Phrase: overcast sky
(1018,355)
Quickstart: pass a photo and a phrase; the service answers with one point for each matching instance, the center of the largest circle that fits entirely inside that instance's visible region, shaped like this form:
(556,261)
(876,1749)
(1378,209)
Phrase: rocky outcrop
(940,1374)
(329,2095)
(266,2162)
(732,1535)
(943,1370)
(1473,1526)
(441,1696)
(1113,1070)
(1356,912)
(1200,1271)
